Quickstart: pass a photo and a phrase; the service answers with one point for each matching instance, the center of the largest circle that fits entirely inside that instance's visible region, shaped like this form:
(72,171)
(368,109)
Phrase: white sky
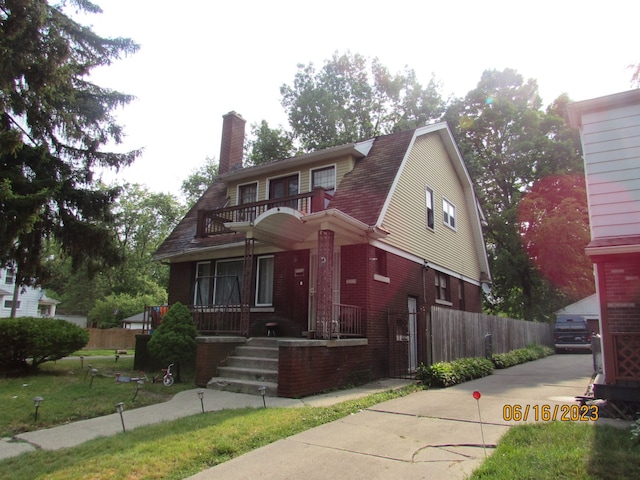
(200,59)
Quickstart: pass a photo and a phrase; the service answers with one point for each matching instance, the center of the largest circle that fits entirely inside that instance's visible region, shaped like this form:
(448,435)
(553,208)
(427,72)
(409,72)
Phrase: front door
(412,307)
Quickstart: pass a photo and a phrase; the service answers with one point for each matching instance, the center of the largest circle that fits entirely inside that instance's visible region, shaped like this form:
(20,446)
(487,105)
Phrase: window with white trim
(429,207)
(9,304)
(448,213)
(247,194)
(443,292)
(202,291)
(10,277)
(264,281)
(324,178)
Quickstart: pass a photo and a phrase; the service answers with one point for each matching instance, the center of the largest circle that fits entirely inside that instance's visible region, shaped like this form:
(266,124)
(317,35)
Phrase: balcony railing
(225,319)
(211,222)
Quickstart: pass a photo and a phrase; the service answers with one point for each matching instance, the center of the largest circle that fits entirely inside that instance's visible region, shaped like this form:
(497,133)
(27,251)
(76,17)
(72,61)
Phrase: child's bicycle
(167,378)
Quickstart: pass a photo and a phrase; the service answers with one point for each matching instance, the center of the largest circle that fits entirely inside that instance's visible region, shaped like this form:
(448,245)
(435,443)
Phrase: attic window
(324,178)
(448,213)
(429,207)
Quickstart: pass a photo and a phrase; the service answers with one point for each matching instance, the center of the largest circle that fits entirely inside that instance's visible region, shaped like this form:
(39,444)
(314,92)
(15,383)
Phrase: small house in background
(610,134)
(588,308)
(32,301)
(134,322)
(326,263)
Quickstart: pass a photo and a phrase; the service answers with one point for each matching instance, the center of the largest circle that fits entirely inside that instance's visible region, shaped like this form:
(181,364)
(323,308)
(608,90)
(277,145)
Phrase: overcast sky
(200,59)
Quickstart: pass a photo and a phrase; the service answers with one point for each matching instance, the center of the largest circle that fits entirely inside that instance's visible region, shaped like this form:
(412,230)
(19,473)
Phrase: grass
(69,394)
(104,353)
(179,448)
(563,450)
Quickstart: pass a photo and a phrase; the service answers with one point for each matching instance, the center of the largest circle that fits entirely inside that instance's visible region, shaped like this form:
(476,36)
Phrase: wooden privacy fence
(453,334)
(116,338)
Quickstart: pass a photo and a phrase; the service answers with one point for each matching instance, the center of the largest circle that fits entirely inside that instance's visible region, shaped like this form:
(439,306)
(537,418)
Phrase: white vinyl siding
(611,141)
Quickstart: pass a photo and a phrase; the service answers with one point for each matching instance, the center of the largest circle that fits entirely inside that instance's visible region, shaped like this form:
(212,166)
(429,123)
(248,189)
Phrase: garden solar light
(81,361)
(201,397)
(36,404)
(263,390)
(89,367)
(120,408)
(139,384)
(94,371)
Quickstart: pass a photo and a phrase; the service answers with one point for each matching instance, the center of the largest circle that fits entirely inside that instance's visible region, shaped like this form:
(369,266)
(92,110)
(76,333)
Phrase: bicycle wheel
(167,381)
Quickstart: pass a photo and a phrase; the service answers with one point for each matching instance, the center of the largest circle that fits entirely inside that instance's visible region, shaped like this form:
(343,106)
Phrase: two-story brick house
(610,134)
(323,250)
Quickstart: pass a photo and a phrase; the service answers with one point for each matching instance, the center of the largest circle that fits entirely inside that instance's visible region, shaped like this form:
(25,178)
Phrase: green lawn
(69,393)
(563,450)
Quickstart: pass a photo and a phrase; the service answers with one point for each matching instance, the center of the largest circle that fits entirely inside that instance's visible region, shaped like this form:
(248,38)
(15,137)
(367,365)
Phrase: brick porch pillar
(324,284)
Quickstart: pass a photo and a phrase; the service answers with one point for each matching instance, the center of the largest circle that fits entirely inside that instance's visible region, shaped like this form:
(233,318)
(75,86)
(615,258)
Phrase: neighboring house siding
(611,142)
(429,165)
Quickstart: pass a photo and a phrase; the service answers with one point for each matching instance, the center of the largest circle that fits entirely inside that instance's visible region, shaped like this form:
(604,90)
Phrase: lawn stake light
(139,384)
(36,404)
(263,391)
(81,362)
(120,408)
(89,367)
(201,397)
(94,371)
(477,396)
(117,357)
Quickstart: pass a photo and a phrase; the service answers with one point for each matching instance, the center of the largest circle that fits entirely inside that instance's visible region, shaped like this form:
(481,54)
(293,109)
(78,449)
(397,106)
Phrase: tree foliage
(554,223)
(108,312)
(509,144)
(352,98)
(268,144)
(199,180)
(54,125)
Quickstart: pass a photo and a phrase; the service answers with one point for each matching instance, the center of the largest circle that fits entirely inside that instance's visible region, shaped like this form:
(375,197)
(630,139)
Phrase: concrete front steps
(251,366)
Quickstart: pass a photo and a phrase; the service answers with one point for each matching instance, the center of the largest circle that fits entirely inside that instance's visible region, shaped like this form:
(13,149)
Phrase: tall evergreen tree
(54,126)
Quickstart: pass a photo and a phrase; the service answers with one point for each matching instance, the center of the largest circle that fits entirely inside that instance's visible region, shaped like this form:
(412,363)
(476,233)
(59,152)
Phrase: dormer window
(324,178)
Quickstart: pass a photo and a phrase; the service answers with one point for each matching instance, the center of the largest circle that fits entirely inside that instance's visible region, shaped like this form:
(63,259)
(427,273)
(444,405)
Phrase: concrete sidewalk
(428,434)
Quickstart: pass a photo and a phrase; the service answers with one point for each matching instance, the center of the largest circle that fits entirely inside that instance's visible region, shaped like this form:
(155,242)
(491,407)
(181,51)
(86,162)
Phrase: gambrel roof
(363,193)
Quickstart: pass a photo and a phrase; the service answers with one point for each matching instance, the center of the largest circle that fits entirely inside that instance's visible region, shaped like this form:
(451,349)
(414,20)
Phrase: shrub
(38,339)
(174,341)
(521,355)
(446,374)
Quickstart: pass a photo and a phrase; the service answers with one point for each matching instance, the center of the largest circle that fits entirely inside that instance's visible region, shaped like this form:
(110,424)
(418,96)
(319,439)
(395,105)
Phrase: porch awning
(287,227)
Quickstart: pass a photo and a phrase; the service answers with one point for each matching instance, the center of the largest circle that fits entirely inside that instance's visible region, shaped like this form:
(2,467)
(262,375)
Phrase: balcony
(212,222)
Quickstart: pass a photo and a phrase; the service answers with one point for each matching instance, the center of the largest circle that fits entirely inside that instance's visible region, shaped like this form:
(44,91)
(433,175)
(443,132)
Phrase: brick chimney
(231,146)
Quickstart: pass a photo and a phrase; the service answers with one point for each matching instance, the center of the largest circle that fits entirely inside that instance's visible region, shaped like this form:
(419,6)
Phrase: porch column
(324,284)
(247,274)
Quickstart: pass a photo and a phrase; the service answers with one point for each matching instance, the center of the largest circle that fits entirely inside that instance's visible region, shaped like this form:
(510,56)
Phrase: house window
(429,205)
(324,178)
(264,281)
(442,287)
(449,213)
(9,304)
(202,293)
(380,262)
(247,194)
(284,187)
(228,282)
(10,278)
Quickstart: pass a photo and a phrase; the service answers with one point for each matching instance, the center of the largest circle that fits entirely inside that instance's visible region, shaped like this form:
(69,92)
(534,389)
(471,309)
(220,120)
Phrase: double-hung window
(429,207)
(448,213)
(443,292)
(247,194)
(264,281)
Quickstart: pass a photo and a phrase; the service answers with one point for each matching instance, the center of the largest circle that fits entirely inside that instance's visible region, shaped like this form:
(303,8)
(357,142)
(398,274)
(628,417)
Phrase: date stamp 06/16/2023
(550,413)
